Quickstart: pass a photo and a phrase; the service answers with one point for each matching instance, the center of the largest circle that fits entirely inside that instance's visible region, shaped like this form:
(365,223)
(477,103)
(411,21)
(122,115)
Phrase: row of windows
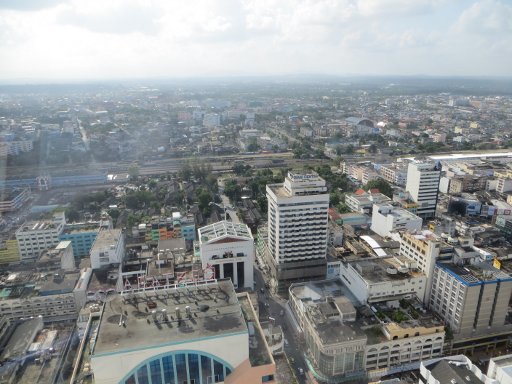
(180,368)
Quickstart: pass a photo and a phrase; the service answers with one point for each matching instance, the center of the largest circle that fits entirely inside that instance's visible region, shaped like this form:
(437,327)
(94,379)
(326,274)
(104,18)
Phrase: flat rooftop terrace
(475,273)
(279,190)
(150,318)
(23,285)
(383,270)
(107,237)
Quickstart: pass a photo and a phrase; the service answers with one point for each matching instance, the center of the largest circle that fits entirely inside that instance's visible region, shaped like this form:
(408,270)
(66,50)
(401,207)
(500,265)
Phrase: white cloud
(486,17)
(123,38)
(396,7)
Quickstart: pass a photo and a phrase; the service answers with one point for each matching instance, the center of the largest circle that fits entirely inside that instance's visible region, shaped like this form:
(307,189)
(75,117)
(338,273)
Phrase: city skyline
(56,40)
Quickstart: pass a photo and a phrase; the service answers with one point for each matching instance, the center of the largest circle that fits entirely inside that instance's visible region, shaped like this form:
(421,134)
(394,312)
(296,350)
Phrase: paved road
(274,306)
(230,212)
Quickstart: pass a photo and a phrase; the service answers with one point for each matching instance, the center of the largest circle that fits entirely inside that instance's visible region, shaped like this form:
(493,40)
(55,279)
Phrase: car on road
(301,371)
(281,313)
(262,290)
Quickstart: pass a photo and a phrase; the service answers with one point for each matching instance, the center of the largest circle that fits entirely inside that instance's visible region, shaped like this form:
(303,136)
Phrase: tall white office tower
(423,186)
(297,229)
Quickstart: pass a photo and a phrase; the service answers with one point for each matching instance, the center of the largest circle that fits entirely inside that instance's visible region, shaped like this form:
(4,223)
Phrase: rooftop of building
(180,314)
(326,299)
(304,177)
(386,269)
(177,244)
(279,190)
(446,372)
(107,238)
(423,235)
(503,361)
(397,212)
(222,229)
(38,225)
(21,338)
(86,227)
(104,278)
(324,313)
(409,315)
(379,245)
(11,194)
(26,284)
(475,274)
(50,255)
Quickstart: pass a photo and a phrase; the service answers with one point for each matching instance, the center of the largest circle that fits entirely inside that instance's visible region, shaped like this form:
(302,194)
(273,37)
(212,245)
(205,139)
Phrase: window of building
(178,368)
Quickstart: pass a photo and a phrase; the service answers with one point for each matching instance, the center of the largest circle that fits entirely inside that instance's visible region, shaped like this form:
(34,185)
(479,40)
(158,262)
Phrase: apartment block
(362,202)
(11,201)
(472,298)
(387,218)
(394,173)
(108,248)
(35,237)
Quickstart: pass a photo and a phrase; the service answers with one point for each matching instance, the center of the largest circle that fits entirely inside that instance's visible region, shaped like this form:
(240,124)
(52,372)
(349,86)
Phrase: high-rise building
(472,299)
(297,228)
(423,185)
(424,248)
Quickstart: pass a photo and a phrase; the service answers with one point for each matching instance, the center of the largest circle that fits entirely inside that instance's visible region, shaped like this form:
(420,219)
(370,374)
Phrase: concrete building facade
(387,218)
(297,228)
(35,237)
(472,299)
(378,280)
(423,185)
(108,248)
(346,341)
(423,248)
(211,342)
(11,201)
(228,248)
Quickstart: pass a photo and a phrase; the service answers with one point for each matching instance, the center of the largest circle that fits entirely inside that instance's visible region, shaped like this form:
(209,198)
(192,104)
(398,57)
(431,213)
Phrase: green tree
(72,215)
(203,198)
(253,145)
(133,172)
(232,190)
(239,168)
(382,185)
(262,202)
(334,199)
(348,149)
(114,214)
(185,172)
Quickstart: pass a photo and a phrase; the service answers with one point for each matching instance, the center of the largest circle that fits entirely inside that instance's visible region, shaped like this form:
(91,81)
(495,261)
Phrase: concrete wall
(112,368)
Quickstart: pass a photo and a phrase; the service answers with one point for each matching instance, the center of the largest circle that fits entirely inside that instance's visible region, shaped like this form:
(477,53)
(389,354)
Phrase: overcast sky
(103,39)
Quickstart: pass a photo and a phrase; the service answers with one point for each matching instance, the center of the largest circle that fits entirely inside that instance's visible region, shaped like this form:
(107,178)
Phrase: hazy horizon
(62,41)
